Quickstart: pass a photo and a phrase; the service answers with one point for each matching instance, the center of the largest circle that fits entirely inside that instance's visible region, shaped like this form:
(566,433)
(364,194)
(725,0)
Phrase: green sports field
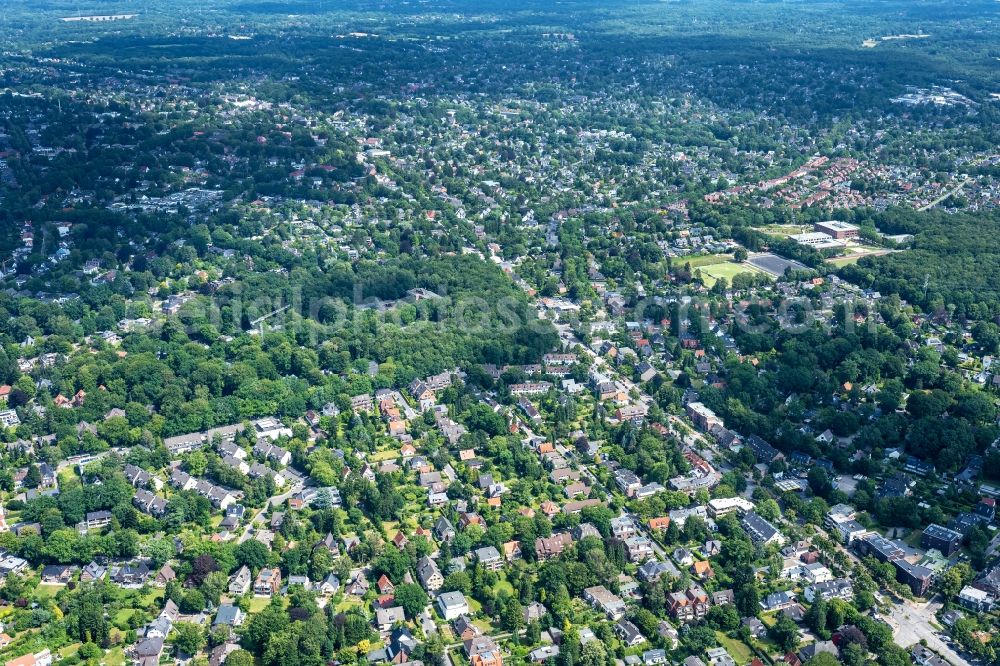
(727,269)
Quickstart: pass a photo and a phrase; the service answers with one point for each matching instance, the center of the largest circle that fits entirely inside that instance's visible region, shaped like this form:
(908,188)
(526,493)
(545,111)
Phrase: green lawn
(785,229)
(768,646)
(122,616)
(699,260)
(257,604)
(843,261)
(504,586)
(155,594)
(115,657)
(738,650)
(852,255)
(345,604)
(67,475)
(381,456)
(712,272)
(69,649)
(47,591)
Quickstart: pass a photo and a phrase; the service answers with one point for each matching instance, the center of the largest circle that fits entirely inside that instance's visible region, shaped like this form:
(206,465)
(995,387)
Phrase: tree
(891,395)
(699,639)
(533,633)
(987,336)
(823,659)
(196,463)
(188,637)
(159,551)
(393,563)
(201,567)
(88,623)
(816,617)
(723,618)
(819,482)
(768,509)
(214,585)
(264,624)
(33,478)
(594,654)
(785,633)
(193,601)
(740,255)
(512,614)
(63,546)
(853,654)
(239,658)
(252,553)
(951,582)
(457,581)
(91,651)
(412,598)
(928,403)
(746,596)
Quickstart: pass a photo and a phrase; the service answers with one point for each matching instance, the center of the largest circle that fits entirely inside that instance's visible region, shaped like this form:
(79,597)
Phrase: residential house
(229,615)
(464,628)
(131,575)
(838,588)
(689,605)
(628,633)
(483,651)
(653,570)
(604,600)
(268,582)
(548,547)
(943,539)
(777,601)
(975,600)
(452,605)
(329,585)
(165,575)
(429,574)
(490,558)
(239,582)
(57,574)
(917,578)
(639,549)
(385,618)
(761,531)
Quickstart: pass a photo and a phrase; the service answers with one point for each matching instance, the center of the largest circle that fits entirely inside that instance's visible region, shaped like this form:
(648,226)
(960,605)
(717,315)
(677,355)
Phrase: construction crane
(260,320)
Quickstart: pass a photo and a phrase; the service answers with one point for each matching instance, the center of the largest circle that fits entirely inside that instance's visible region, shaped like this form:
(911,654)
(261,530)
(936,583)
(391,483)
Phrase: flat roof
(838,225)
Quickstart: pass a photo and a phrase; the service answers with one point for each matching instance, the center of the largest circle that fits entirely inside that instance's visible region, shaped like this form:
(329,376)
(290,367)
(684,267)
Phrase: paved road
(569,339)
(910,622)
(954,190)
(260,516)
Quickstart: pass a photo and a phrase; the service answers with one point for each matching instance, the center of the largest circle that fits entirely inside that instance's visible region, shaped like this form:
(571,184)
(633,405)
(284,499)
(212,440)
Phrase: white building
(452,605)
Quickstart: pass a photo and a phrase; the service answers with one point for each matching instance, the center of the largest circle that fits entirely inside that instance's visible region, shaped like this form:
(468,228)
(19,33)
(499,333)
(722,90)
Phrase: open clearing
(738,650)
(713,272)
(699,260)
(855,252)
(785,229)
